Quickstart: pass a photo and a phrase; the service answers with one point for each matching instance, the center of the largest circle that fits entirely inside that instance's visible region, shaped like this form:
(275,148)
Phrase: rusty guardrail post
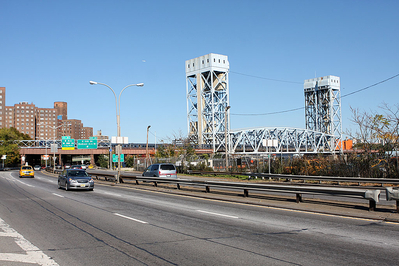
(299,197)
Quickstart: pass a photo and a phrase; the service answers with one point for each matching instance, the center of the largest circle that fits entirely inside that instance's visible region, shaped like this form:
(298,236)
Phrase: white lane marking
(219,214)
(46,180)
(130,218)
(112,194)
(33,253)
(55,194)
(24,183)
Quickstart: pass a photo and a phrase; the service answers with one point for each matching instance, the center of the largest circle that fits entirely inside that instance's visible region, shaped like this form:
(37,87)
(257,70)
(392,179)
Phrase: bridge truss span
(263,140)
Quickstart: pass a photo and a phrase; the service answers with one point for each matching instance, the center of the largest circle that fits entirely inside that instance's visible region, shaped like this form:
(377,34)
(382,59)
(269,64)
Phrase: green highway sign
(115,158)
(67,143)
(87,143)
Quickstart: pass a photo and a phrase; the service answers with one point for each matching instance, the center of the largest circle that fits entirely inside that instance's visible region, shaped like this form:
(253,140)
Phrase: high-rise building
(74,130)
(25,118)
(62,110)
(46,123)
(41,123)
(86,132)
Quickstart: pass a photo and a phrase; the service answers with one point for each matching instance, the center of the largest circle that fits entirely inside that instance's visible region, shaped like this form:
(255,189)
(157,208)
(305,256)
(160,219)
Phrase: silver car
(75,179)
(163,170)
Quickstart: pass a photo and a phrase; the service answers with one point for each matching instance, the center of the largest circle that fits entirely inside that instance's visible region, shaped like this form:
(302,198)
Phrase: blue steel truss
(289,141)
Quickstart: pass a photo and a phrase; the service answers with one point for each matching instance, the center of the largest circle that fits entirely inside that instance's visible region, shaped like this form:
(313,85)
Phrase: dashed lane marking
(130,218)
(218,214)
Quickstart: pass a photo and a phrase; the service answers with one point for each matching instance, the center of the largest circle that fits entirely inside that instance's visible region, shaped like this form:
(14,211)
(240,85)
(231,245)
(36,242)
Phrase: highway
(115,225)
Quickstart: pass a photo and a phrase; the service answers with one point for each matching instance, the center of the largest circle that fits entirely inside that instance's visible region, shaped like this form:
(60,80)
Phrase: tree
(8,147)
(165,151)
(377,132)
(102,160)
(129,161)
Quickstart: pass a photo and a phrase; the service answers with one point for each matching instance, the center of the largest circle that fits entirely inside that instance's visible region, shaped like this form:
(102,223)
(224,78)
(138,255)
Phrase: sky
(50,50)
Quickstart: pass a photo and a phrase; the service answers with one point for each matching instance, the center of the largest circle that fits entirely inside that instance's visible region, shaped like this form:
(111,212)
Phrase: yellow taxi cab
(26,170)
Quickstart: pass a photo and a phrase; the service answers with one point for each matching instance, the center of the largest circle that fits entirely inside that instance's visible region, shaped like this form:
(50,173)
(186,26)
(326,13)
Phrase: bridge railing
(370,194)
(335,179)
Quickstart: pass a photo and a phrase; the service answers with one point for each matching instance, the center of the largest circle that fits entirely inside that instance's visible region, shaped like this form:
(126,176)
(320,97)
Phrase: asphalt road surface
(43,225)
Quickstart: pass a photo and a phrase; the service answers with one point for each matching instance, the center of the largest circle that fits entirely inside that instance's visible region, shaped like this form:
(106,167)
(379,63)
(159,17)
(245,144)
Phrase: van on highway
(166,170)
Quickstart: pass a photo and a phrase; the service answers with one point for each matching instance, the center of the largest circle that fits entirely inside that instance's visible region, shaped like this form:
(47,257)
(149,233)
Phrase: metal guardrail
(372,195)
(9,168)
(393,181)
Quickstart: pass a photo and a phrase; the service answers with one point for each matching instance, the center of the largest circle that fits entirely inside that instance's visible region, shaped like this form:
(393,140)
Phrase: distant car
(67,166)
(37,167)
(26,170)
(76,167)
(166,170)
(84,166)
(75,179)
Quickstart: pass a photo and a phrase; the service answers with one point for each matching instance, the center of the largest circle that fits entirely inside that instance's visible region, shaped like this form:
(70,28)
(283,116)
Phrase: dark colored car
(166,170)
(75,179)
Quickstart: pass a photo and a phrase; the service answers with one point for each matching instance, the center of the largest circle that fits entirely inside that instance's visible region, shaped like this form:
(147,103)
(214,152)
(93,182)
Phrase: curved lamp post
(146,149)
(118,111)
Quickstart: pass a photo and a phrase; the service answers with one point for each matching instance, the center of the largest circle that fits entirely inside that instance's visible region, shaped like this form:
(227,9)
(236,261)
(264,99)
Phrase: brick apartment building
(41,123)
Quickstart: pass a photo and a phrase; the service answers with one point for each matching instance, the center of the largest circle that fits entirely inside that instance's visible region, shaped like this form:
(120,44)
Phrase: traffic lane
(120,193)
(68,230)
(203,228)
(79,228)
(152,202)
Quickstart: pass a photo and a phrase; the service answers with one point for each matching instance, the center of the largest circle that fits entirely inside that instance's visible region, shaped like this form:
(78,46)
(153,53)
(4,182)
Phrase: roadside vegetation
(9,148)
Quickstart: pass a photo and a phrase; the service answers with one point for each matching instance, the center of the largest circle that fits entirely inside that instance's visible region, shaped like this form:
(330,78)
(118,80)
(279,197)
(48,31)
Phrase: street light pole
(118,127)
(225,137)
(146,149)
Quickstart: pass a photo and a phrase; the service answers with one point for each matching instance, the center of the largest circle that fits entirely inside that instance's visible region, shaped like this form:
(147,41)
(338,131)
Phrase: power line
(301,108)
(278,80)
(368,87)
(272,113)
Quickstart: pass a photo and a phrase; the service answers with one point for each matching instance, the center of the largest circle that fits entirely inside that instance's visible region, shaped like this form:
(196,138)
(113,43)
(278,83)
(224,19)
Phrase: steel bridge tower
(207,86)
(323,107)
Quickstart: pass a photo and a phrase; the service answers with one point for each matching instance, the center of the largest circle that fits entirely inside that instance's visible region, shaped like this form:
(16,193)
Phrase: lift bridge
(208,116)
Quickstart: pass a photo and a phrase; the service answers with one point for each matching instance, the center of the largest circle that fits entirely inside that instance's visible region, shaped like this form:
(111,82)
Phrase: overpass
(32,150)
